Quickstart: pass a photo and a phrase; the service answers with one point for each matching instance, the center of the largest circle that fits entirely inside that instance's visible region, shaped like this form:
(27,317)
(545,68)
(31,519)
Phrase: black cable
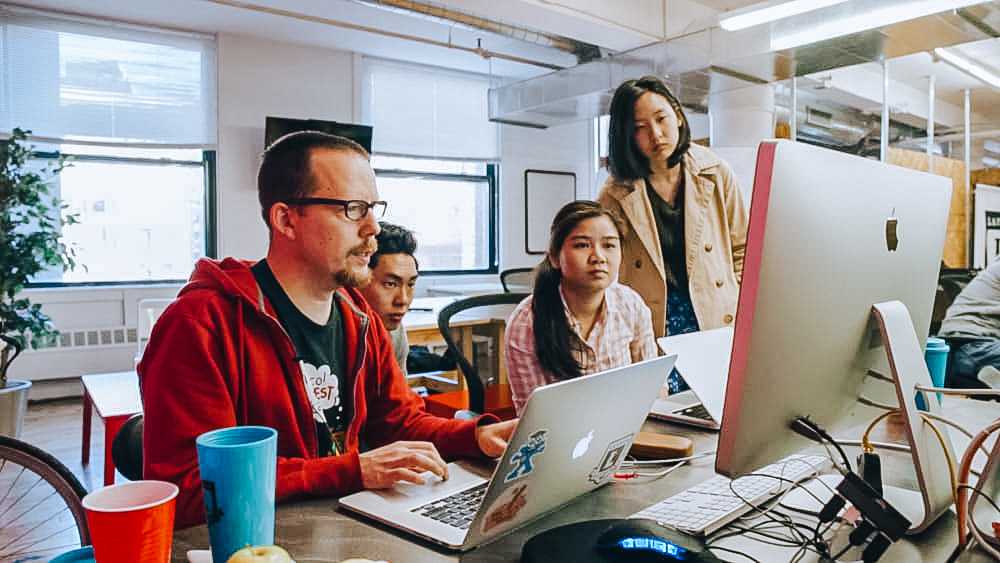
(740,553)
(983,495)
(826,436)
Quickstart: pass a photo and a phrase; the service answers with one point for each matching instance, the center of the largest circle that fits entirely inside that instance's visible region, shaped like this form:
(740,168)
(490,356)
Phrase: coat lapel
(639,213)
(697,201)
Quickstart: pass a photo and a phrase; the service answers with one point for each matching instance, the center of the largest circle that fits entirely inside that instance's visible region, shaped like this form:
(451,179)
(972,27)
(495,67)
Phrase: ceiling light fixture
(965,65)
(770,11)
(883,13)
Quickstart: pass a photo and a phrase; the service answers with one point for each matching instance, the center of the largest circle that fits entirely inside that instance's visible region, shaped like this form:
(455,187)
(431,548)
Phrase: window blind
(69,79)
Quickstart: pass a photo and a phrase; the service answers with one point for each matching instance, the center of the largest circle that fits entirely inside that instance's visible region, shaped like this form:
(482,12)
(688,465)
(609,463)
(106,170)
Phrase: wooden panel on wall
(956,244)
(988,176)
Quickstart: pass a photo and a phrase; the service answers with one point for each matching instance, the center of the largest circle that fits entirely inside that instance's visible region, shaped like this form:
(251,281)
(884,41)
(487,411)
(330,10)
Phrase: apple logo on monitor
(583,445)
(891,234)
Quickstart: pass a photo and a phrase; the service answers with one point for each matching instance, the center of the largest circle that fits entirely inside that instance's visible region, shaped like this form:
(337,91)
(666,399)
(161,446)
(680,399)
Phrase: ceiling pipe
(584,52)
(478,50)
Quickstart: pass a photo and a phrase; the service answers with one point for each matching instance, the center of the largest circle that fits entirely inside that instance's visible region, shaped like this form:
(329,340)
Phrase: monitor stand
(907,370)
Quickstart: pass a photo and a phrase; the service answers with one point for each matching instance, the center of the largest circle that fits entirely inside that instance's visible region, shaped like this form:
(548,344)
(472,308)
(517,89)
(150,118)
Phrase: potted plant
(31,222)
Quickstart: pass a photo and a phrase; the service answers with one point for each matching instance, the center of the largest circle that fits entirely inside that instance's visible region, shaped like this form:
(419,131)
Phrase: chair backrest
(476,390)
(517,279)
(149,311)
(126,449)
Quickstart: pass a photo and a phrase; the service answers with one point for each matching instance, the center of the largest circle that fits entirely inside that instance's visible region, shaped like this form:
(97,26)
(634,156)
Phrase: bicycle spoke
(12,485)
(18,538)
(21,552)
(18,517)
(24,494)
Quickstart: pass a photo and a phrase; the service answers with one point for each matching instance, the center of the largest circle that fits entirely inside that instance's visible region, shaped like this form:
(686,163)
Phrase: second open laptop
(571,437)
(703,362)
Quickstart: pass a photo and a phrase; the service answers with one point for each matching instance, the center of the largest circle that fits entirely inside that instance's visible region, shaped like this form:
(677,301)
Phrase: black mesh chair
(499,402)
(126,449)
(517,278)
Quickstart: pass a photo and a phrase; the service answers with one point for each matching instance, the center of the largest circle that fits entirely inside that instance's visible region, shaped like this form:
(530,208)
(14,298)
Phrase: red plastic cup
(132,522)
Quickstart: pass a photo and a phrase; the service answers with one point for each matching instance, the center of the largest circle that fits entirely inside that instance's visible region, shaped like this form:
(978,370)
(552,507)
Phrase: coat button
(718,283)
(727,319)
(638,264)
(708,247)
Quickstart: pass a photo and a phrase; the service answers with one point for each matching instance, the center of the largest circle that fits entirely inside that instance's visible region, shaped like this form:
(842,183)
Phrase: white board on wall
(545,192)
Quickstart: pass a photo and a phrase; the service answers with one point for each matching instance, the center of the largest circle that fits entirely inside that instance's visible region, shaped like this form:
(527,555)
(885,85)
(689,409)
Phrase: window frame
(208,164)
(491,178)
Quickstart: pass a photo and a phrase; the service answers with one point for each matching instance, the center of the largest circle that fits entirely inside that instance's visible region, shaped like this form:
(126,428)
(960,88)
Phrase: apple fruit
(260,554)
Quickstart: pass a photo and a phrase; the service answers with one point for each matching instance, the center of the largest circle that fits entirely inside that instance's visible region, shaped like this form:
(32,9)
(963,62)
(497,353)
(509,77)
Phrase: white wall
(566,148)
(258,78)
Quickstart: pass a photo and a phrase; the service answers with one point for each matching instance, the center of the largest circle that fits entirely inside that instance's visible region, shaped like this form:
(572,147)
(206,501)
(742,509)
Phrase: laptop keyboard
(456,510)
(696,411)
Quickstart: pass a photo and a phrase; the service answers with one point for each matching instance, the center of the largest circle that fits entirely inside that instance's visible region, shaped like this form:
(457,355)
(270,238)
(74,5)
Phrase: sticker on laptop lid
(505,509)
(613,456)
(523,459)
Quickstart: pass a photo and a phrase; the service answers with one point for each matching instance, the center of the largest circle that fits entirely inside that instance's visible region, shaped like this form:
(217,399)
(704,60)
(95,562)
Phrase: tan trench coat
(715,231)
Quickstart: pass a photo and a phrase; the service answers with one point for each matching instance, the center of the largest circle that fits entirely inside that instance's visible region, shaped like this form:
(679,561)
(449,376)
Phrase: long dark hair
(554,345)
(625,160)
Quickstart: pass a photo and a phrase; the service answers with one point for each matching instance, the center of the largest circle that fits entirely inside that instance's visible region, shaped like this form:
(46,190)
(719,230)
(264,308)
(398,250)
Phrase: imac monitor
(277,127)
(829,236)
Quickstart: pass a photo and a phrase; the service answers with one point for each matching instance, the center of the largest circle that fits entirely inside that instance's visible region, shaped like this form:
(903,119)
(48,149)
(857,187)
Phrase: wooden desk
(116,398)
(315,531)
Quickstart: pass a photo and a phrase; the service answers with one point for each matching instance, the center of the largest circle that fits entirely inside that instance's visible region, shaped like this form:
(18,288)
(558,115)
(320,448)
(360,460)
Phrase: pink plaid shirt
(622,334)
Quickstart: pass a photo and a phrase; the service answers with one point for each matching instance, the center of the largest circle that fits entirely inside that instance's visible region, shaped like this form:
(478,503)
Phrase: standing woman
(578,320)
(684,249)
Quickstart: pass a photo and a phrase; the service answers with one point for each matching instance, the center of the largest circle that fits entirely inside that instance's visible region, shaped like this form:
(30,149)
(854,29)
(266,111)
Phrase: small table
(116,398)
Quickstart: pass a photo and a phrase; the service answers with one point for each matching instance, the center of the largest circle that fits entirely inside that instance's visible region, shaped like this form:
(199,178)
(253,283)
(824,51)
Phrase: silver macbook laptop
(703,362)
(571,437)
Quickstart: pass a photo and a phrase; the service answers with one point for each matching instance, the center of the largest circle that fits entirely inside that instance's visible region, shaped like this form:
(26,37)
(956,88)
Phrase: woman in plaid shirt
(579,320)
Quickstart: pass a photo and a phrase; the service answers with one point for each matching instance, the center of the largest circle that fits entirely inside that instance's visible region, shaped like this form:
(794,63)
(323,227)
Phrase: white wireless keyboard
(708,506)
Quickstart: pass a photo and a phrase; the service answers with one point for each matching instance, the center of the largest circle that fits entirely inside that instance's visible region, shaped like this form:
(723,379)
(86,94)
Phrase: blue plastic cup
(936,357)
(238,467)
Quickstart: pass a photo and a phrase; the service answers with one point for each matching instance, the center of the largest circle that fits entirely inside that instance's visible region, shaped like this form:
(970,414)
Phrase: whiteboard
(986,225)
(545,192)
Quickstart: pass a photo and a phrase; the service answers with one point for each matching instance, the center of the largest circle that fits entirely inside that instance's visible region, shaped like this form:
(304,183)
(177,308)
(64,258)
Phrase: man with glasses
(289,342)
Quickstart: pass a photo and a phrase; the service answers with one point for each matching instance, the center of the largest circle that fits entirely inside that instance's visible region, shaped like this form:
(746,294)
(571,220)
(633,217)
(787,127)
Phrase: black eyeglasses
(354,209)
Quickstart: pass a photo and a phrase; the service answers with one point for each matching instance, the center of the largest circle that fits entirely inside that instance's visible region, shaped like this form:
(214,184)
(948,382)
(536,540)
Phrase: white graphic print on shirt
(322,388)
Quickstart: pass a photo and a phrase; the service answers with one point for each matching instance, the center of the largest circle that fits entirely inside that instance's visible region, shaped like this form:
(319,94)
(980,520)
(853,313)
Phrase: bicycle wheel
(41,514)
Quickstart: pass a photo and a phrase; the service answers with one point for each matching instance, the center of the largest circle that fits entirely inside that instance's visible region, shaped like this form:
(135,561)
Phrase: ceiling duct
(584,52)
(712,61)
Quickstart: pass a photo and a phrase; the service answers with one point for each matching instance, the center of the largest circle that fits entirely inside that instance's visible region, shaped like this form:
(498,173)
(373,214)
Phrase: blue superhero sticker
(523,459)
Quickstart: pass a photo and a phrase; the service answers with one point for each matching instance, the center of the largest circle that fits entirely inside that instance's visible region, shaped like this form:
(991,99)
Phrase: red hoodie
(218,357)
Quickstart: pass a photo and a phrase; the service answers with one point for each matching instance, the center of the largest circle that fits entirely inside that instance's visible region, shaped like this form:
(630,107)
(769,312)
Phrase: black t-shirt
(670,226)
(319,350)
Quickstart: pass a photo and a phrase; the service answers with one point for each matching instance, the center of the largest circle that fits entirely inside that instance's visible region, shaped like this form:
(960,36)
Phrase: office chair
(517,278)
(126,449)
(477,398)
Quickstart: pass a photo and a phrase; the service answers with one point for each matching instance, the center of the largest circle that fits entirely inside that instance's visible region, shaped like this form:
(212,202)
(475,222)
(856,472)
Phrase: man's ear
(284,220)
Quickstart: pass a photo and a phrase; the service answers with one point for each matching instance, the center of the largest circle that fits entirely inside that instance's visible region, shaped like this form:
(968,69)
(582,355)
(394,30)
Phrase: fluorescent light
(885,12)
(965,65)
(770,12)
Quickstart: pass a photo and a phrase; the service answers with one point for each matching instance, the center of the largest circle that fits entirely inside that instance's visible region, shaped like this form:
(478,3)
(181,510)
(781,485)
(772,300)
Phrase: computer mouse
(638,539)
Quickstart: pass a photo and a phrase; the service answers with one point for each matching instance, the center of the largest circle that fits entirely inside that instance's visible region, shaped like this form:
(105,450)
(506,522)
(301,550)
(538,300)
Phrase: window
(135,110)
(434,148)
(143,213)
(449,205)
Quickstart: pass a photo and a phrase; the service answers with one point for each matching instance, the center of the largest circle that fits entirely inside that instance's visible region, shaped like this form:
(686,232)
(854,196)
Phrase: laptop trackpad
(459,478)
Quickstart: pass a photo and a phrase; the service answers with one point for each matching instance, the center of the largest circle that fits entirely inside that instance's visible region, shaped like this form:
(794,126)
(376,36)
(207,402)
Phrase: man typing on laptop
(288,342)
